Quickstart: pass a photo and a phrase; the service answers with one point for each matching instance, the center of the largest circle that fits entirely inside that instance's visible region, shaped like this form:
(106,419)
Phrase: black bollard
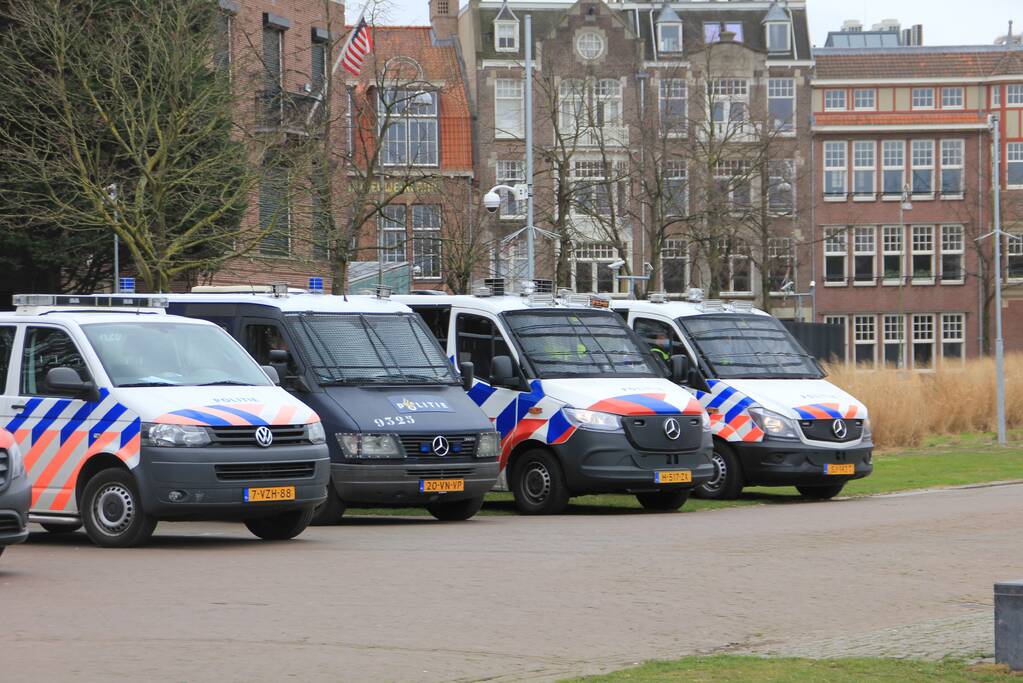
(1009,624)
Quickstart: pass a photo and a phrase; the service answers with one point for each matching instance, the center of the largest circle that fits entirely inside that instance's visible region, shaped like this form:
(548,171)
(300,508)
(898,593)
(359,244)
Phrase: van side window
(437,319)
(47,348)
(261,339)
(659,337)
(478,342)
(6,347)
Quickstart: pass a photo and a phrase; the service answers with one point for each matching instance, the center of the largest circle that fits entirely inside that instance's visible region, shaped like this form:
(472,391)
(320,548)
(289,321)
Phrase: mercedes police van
(127,416)
(580,404)
(401,430)
(14,488)
(776,420)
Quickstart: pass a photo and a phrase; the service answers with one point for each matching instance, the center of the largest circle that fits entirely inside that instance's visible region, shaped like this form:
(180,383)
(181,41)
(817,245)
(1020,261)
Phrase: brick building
(902,191)
(625,99)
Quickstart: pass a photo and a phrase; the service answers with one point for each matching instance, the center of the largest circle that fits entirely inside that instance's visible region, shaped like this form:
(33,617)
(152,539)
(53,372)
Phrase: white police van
(776,420)
(580,404)
(402,431)
(127,416)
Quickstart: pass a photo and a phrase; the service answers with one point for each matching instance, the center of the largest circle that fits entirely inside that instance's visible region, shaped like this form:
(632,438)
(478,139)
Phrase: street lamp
(111,191)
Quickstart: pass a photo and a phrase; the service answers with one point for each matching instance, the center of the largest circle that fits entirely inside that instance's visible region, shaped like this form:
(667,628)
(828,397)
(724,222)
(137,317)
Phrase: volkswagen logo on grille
(441,446)
(672,429)
(264,437)
(839,429)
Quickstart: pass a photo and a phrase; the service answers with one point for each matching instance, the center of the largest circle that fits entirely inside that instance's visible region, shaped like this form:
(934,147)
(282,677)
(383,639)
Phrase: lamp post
(112,194)
(904,205)
(999,341)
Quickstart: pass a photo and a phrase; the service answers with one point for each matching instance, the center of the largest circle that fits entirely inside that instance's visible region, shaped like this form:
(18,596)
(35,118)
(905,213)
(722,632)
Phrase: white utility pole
(999,342)
(530,241)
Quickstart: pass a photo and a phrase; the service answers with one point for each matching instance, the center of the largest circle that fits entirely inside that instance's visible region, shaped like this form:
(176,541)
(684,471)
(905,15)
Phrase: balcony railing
(278,110)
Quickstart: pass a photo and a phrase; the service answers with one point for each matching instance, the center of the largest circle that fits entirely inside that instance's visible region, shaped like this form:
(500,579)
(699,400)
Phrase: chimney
(444,18)
(913,35)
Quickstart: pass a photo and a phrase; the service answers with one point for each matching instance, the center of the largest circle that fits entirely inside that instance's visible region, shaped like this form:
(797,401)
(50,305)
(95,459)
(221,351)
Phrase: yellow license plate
(840,468)
(269,493)
(441,485)
(676,477)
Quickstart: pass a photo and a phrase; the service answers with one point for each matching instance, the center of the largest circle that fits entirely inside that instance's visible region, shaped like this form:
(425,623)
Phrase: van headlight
(868,432)
(489,445)
(370,445)
(17,462)
(705,421)
(314,432)
(592,419)
(774,424)
(167,435)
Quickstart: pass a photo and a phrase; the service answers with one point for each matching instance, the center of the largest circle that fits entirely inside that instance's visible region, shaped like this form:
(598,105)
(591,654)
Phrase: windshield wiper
(225,383)
(135,385)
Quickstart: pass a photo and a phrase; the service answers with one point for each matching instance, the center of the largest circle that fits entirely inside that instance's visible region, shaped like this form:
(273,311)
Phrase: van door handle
(18,406)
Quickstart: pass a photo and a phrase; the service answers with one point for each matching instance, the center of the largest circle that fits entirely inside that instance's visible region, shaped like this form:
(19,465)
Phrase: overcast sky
(947,22)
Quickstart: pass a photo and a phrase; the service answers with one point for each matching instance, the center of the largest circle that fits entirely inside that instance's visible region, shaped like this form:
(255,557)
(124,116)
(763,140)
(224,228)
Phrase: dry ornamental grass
(906,406)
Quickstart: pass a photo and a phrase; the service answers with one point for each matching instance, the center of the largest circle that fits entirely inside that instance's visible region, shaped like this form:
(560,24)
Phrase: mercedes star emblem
(264,437)
(441,446)
(839,429)
(672,429)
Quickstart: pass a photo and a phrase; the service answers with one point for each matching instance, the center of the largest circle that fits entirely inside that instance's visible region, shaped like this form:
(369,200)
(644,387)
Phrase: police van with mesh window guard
(776,420)
(401,430)
(580,404)
(127,416)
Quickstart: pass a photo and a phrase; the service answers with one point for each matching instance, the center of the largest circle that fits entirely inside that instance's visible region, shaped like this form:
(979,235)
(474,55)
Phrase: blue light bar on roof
(91,300)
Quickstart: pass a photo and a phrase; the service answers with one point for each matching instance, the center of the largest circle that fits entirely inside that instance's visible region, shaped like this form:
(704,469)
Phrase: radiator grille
(421,445)
(284,435)
(265,470)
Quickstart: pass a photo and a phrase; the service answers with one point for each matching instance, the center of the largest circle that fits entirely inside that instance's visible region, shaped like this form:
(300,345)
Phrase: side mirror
(271,372)
(503,372)
(67,382)
(468,375)
(695,380)
(680,368)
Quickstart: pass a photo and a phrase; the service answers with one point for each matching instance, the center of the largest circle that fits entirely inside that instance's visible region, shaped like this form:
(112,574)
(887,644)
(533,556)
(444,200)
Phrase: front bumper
(208,497)
(603,462)
(397,482)
(776,462)
(14,504)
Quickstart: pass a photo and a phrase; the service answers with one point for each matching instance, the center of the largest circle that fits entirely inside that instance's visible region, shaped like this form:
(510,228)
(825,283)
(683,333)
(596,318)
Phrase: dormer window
(506,36)
(669,37)
(778,34)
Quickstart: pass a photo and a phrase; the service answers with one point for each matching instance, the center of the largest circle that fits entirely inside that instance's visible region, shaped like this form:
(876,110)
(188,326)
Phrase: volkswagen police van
(127,416)
(580,404)
(776,420)
(401,430)
(14,489)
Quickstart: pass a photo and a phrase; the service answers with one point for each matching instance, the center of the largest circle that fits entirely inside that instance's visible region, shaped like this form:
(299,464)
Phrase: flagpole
(337,65)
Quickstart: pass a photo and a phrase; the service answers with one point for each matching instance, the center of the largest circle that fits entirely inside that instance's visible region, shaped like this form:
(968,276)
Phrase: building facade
(903,197)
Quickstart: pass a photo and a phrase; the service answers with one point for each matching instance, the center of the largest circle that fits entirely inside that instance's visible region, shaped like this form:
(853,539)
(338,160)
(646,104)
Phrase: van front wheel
(282,527)
(112,510)
(331,510)
(538,484)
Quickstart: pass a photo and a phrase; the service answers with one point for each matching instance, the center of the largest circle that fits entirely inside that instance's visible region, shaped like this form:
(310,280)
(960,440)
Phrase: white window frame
(864,153)
(924,145)
(953,243)
(389,226)
(673,170)
(781,252)
(736,251)
(953,158)
(836,245)
(585,41)
(1013,250)
(728,170)
(996,95)
(671,90)
(842,320)
(888,165)
(510,172)
(781,171)
(953,102)
(893,243)
(782,89)
(923,333)
(836,100)
(729,92)
(872,106)
(660,37)
(596,253)
(504,91)
(865,334)
(838,151)
(427,235)
(787,29)
(675,249)
(511,30)
(893,333)
(1014,95)
(1013,158)
(953,331)
(865,245)
(919,246)
(922,98)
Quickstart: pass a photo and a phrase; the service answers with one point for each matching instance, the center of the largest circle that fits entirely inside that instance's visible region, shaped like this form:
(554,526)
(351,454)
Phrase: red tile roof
(909,62)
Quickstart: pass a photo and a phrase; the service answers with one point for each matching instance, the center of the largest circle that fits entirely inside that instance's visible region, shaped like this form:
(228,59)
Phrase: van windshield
(159,354)
(579,343)
(381,348)
(749,347)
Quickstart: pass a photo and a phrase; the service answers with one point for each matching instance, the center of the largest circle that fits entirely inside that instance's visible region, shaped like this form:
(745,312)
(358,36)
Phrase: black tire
(282,527)
(60,528)
(329,511)
(112,511)
(663,501)
(538,484)
(455,511)
(820,492)
(727,482)
(2,549)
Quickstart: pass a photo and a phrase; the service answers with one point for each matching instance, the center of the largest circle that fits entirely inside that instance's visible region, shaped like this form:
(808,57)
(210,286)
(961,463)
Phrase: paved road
(504,598)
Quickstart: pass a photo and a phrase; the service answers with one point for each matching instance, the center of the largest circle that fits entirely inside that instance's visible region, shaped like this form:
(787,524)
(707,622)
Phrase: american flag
(359,45)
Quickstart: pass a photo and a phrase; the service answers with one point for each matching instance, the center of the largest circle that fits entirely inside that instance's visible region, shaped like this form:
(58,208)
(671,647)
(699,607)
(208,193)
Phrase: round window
(589,45)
